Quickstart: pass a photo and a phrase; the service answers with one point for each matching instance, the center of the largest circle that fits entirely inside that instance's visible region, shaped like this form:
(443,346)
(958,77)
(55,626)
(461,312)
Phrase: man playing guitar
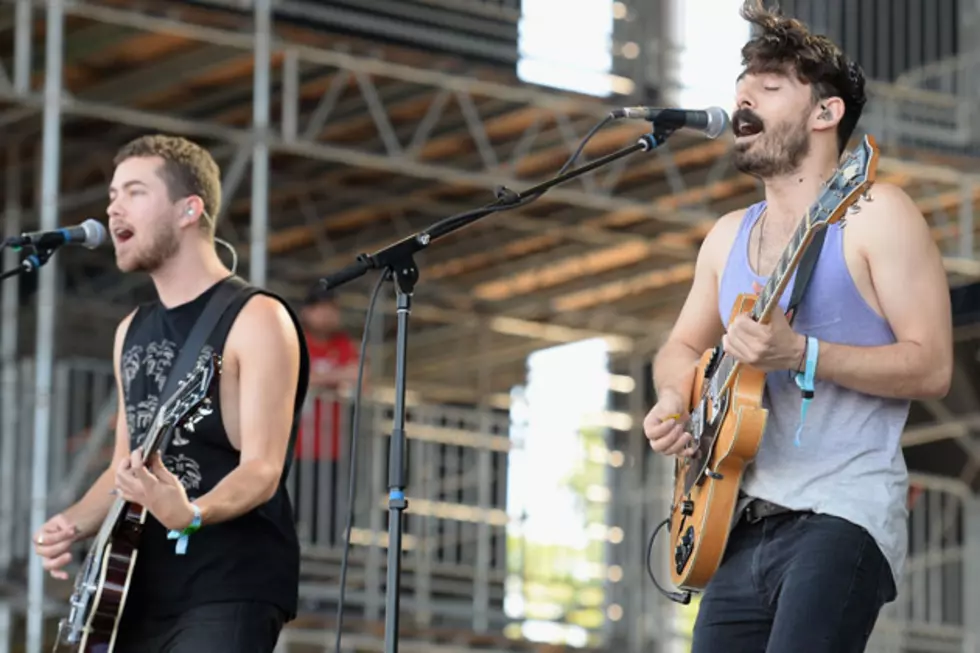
(230,586)
(818,543)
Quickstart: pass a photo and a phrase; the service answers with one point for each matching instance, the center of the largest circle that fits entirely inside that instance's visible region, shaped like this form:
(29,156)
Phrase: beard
(776,151)
(163,245)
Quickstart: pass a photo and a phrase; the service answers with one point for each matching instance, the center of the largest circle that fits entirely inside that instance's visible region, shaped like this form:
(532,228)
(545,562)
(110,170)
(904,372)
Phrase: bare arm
(912,290)
(266,346)
(698,327)
(88,513)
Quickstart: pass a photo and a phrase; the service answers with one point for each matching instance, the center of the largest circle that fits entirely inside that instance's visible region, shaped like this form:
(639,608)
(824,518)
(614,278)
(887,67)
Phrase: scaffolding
(346,147)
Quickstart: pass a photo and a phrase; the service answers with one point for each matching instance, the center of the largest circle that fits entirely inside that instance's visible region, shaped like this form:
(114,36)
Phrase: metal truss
(371,149)
(347,150)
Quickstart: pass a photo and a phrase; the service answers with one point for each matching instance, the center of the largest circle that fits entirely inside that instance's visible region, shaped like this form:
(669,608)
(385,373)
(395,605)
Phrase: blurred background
(343,125)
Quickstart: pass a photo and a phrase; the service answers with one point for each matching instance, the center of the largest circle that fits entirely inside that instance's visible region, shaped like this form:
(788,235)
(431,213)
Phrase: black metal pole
(405,277)
(397,260)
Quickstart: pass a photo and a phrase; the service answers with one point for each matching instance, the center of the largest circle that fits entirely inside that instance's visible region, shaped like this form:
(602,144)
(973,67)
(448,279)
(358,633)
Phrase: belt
(759,509)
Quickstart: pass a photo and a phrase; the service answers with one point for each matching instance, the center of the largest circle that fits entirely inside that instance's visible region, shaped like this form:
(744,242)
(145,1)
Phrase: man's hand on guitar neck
(155,488)
(767,347)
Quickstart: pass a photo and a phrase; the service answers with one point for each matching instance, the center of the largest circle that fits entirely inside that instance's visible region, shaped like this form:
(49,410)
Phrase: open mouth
(122,235)
(745,127)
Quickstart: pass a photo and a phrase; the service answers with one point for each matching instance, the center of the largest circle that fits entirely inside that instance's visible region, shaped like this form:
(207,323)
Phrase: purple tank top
(832,308)
(848,459)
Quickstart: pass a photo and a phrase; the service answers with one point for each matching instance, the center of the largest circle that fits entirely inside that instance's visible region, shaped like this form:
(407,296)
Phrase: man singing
(235,584)
(819,541)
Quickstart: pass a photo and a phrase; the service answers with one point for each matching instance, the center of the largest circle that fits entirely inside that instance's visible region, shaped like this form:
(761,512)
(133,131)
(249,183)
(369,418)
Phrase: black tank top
(252,558)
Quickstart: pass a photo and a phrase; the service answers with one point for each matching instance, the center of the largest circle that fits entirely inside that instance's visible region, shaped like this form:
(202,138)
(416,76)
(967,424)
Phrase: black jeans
(247,627)
(794,583)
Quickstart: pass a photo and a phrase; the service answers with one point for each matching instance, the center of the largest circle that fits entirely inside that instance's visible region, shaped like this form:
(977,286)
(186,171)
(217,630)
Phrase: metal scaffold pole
(260,153)
(9,318)
(9,409)
(9,335)
(47,288)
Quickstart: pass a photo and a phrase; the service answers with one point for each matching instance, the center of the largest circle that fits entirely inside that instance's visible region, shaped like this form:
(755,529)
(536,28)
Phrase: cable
(352,460)
(568,164)
(678,597)
(507,199)
(234,254)
(581,146)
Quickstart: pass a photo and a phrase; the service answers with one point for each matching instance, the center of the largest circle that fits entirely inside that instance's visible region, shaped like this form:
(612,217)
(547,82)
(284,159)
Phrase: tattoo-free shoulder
(264,323)
(718,242)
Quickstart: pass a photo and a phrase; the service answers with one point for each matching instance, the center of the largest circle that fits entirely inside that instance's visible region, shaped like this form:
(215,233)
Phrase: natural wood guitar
(727,419)
(101,585)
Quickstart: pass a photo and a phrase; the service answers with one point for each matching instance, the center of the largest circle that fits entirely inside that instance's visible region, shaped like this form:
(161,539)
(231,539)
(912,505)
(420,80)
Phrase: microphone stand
(398,262)
(34,260)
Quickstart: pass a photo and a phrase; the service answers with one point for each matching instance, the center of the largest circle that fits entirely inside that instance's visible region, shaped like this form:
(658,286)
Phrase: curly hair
(785,45)
(188,169)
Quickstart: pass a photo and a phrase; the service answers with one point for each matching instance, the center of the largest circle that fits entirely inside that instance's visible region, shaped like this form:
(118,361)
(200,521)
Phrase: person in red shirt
(333,369)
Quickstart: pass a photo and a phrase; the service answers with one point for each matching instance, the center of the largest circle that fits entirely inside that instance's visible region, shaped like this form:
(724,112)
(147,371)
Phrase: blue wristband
(181,536)
(805,381)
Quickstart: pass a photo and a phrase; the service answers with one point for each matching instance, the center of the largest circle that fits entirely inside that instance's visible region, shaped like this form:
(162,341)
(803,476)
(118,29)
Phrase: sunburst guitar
(101,586)
(727,418)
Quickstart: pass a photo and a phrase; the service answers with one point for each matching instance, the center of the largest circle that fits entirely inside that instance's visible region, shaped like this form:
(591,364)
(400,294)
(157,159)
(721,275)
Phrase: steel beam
(966,249)
(971,567)
(44,355)
(9,410)
(22,47)
(260,147)
(364,70)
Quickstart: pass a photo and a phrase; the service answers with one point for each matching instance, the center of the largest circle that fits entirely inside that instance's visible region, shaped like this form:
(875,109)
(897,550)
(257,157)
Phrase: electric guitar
(101,585)
(727,419)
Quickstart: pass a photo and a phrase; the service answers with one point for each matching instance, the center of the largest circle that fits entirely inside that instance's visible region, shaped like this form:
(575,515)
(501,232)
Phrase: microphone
(89,234)
(712,121)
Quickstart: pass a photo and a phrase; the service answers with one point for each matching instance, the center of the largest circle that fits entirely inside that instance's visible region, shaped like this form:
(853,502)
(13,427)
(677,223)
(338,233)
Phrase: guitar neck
(155,439)
(778,280)
(768,299)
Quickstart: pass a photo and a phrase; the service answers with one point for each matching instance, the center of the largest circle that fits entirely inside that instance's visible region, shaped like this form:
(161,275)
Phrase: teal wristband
(182,536)
(805,379)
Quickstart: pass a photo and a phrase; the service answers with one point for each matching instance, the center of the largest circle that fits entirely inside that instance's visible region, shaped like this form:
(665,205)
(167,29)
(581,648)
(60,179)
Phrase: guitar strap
(228,290)
(803,272)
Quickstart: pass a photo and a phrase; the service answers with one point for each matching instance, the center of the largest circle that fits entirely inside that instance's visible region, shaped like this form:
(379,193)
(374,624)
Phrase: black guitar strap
(807,263)
(224,295)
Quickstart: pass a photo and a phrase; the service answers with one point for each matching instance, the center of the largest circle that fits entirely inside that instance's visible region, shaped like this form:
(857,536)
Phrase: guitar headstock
(853,178)
(194,394)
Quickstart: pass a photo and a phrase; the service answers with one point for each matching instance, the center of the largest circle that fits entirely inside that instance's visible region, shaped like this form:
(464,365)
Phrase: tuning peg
(867,197)
(855,209)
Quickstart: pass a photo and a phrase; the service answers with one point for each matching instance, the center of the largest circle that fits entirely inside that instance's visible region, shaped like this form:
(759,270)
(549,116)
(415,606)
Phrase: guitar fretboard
(768,297)
(151,442)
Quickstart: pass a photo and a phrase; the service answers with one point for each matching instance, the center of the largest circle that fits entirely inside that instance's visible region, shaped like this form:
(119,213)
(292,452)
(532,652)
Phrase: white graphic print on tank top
(154,363)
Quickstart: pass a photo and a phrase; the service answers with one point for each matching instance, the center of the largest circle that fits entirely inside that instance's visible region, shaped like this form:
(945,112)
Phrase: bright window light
(565,48)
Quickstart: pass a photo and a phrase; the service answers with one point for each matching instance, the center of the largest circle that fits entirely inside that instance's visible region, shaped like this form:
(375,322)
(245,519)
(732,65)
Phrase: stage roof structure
(362,143)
